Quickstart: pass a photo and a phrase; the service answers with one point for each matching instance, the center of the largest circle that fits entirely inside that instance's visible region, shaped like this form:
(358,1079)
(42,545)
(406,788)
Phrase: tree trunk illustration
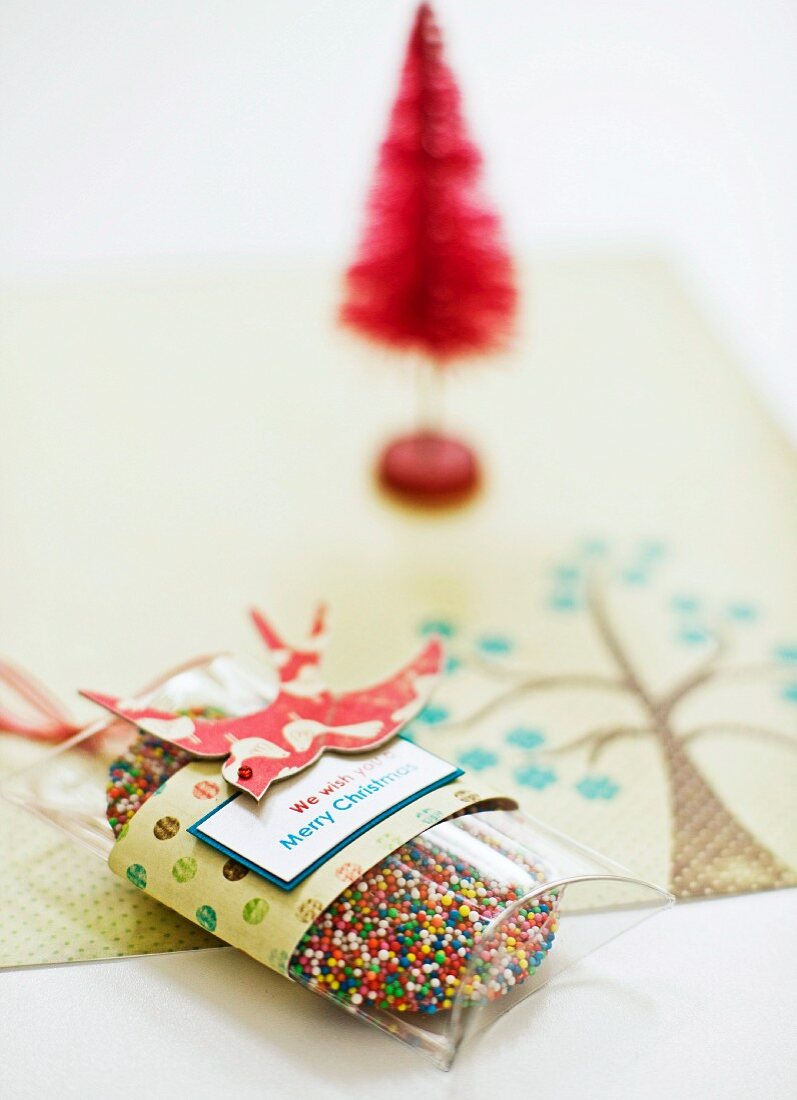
(711,851)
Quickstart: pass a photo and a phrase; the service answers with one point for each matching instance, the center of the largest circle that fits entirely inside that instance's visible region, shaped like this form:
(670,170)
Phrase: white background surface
(671,1010)
(196,129)
(194,132)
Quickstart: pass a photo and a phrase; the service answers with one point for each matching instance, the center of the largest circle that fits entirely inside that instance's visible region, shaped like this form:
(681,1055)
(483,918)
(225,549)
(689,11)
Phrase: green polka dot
(255,910)
(184,869)
(137,875)
(206,916)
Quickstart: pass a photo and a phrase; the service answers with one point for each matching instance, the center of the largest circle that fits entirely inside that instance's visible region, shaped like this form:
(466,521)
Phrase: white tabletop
(699,1002)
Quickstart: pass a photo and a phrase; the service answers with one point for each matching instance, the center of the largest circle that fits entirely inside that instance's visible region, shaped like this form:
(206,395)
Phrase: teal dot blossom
(452,665)
(564,601)
(567,573)
(525,738)
(494,644)
(653,550)
(787,654)
(686,603)
(478,759)
(790,693)
(538,778)
(693,635)
(595,548)
(634,576)
(443,627)
(597,786)
(432,715)
(742,612)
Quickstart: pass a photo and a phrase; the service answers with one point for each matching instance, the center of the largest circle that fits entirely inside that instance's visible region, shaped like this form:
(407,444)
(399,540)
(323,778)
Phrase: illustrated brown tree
(712,852)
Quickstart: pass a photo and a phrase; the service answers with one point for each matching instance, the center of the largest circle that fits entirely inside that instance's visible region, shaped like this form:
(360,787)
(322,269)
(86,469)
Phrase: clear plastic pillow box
(440,934)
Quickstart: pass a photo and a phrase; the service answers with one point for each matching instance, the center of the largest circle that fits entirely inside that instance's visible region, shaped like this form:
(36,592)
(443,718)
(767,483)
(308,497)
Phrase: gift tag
(306,819)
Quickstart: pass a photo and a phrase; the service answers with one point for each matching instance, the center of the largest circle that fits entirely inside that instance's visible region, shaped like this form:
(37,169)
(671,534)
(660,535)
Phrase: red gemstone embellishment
(245,772)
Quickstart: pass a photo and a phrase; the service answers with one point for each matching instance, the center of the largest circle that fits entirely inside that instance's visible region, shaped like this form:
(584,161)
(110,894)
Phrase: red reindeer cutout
(304,720)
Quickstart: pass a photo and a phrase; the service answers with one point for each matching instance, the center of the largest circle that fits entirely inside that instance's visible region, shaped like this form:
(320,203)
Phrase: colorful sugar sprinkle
(406,935)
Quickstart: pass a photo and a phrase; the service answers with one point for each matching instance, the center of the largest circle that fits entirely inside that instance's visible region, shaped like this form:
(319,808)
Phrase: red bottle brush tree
(431,276)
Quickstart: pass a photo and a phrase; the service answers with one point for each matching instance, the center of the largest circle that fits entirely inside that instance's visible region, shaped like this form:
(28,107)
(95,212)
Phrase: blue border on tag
(195,831)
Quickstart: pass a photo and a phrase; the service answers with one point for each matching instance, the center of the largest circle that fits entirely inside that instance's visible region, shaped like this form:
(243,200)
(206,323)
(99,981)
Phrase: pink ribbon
(50,720)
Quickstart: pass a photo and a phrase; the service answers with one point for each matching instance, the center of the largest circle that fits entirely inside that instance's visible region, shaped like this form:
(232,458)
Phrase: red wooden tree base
(429,469)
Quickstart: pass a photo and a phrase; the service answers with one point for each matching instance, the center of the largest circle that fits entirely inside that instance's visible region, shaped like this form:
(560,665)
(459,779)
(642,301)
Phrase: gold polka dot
(166,827)
(233,870)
